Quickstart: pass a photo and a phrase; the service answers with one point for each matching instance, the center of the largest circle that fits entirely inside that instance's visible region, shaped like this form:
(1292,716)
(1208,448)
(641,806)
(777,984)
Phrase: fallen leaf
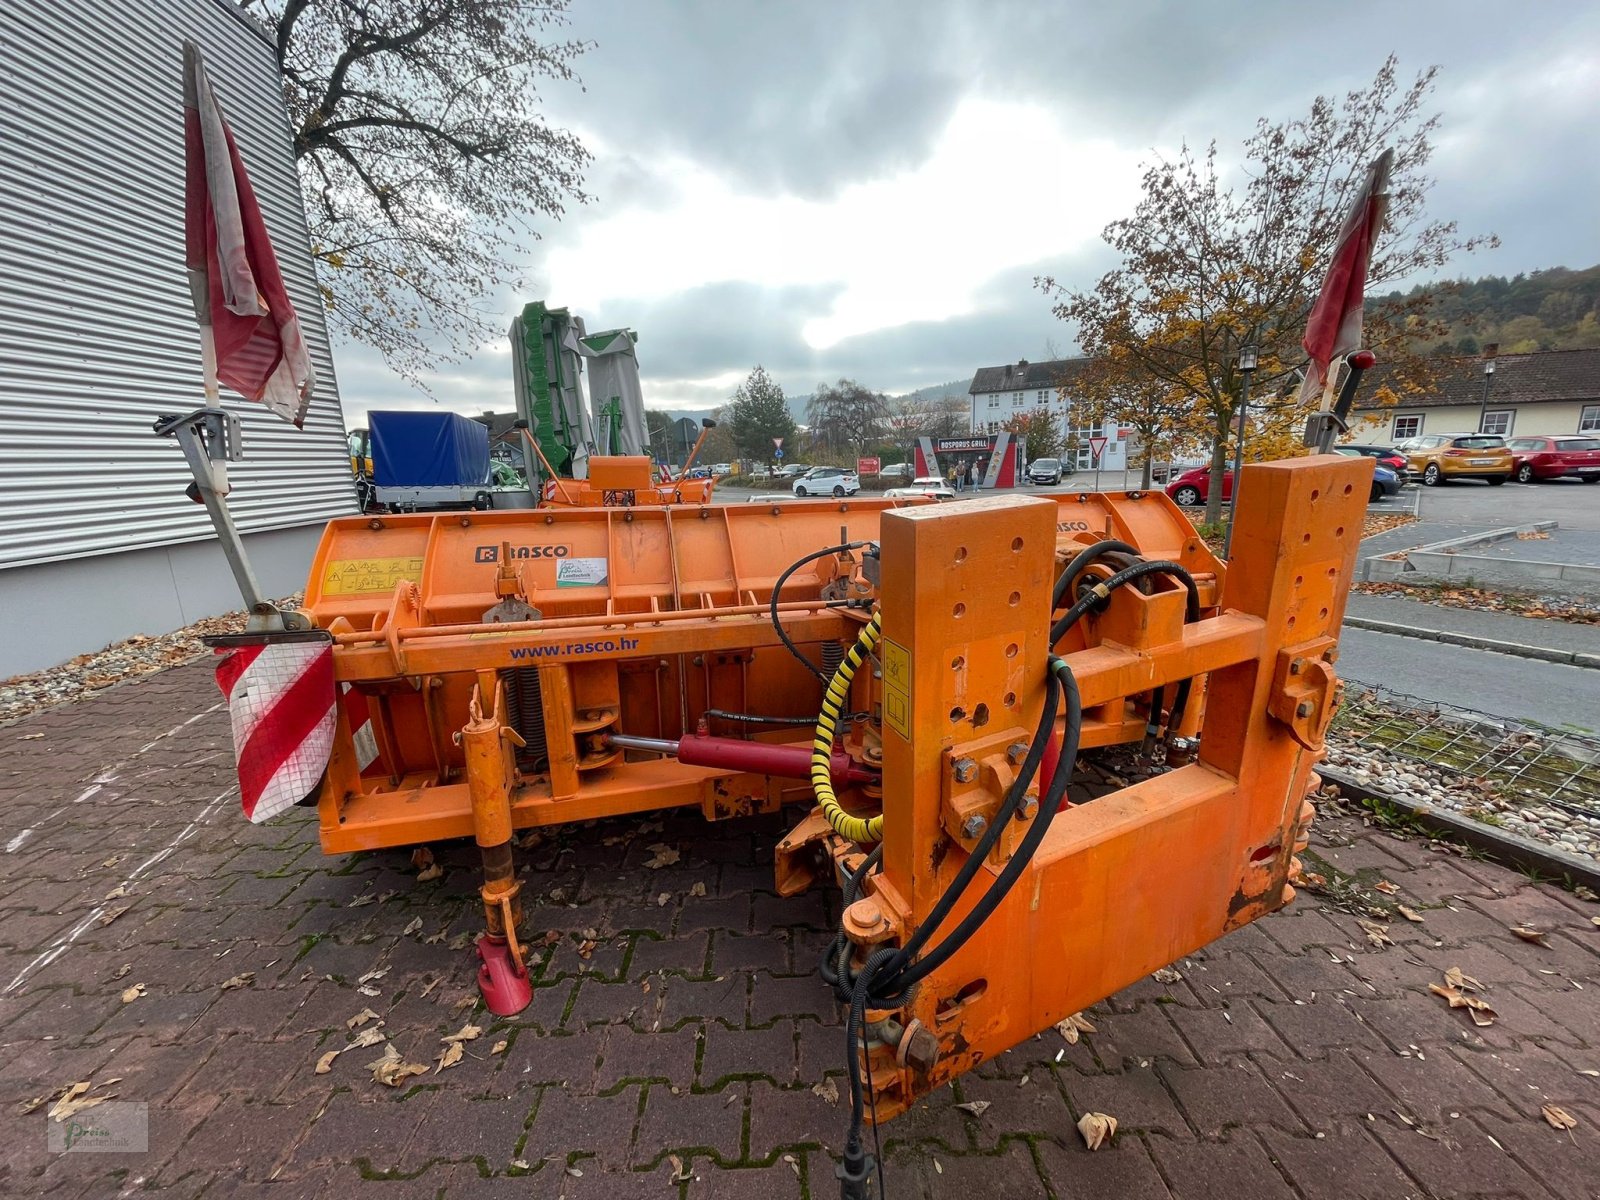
(111,914)
(460,941)
(422,858)
(391,1070)
(1075,1024)
(32,1106)
(1377,934)
(325,1063)
(429,874)
(465,1034)
(117,892)
(362,901)
(663,856)
(794,1164)
(129,995)
(375,973)
(679,1173)
(370,1036)
(30,737)
(122,970)
(1387,888)
(1559,1118)
(1479,1010)
(449,1057)
(1097,1129)
(243,979)
(1593,1074)
(500,1046)
(663,899)
(73,1100)
(1410,914)
(586,949)
(361,1018)
(433,939)
(416,924)
(828,1090)
(937,1167)
(1457,978)
(1529,934)
(366,989)
(1166,975)
(976,1107)
(552,936)
(698,889)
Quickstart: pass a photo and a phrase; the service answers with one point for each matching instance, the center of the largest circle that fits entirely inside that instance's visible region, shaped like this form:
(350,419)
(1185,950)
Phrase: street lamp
(1488,378)
(1247,365)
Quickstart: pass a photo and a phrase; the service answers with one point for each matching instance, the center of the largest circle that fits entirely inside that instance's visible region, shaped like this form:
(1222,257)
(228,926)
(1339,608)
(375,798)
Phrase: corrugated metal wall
(97,332)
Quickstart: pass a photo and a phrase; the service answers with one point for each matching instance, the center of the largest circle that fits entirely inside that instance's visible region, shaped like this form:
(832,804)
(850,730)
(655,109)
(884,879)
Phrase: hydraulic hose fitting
(1181,751)
(855,1172)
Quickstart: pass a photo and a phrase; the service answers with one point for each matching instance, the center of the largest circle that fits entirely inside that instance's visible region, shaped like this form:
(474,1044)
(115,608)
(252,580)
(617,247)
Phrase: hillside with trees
(1556,309)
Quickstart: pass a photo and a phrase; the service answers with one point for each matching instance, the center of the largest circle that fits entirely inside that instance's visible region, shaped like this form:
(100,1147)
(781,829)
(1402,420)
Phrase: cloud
(868,190)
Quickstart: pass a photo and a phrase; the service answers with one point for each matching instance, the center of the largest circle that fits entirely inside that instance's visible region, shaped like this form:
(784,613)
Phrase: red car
(1556,458)
(1387,456)
(1192,487)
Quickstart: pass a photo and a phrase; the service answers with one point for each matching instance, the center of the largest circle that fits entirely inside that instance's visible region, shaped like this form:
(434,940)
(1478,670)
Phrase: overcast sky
(868,190)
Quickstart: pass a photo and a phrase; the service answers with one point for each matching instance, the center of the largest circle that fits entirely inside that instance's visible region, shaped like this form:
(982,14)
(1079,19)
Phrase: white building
(98,335)
(1000,393)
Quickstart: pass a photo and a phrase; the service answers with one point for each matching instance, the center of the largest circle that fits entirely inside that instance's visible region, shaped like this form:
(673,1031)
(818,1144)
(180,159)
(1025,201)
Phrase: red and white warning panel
(280,694)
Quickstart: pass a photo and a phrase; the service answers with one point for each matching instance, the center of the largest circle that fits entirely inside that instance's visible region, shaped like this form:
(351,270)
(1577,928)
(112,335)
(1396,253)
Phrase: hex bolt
(965,770)
(1029,806)
(921,1050)
(1297,666)
(974,825)
(1016,752)
(1304,710)
(1331,654)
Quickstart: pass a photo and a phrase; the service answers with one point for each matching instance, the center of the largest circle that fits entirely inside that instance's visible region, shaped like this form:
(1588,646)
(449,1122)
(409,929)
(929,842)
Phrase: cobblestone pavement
(1292,1059)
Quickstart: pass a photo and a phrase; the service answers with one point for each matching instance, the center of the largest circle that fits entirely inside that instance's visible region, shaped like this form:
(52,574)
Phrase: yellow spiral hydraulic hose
(857,829)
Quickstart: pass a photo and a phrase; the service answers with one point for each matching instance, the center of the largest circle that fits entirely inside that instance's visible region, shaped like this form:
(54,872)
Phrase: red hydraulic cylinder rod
(785,761)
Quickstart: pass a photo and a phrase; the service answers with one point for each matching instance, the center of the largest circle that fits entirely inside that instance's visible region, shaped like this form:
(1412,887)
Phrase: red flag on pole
(1334,328)
(249,334)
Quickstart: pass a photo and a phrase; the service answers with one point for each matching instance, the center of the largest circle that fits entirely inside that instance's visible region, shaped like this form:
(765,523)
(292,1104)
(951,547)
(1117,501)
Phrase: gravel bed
(1521,604)
(23,695)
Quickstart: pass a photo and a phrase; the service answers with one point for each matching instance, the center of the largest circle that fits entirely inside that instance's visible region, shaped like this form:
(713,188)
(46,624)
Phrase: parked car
(722,469)
(1539,458)
(923,485)
(1387,455)
(1438,458)
(791,471)
(1385,480)
(897,471)
(827,481)
(1192,487)
(1045,471)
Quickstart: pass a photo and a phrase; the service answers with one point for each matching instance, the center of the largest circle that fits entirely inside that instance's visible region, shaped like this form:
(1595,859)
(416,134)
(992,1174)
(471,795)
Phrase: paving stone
(787,1118)
(767,951)
(1219,1036)
(750,1053)
(1138,1099)
(1204,1170)
(1331,1022)
(560,1058)
(712,1121)
(452,1126)
(1012,1172)
(1344,1163)
(1217,1099)
(1447,1165)
(723,999)
(780,1181)
(1566,1164)
(1076,1173)
(612,1003)
(1035,1107)
(661,1057)
(684,954)
(352,1126)
(250,1139)
(772,997)
(566,1123)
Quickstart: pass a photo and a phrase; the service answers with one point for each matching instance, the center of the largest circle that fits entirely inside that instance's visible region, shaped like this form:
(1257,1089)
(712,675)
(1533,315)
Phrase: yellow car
(1437,458)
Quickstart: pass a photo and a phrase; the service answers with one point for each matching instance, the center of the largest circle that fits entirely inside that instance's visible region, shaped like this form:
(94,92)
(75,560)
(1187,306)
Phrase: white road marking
(64,943)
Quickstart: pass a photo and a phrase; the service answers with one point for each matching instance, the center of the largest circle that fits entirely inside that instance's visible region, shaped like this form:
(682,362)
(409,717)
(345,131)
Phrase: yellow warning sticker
(354,576)
(897,688)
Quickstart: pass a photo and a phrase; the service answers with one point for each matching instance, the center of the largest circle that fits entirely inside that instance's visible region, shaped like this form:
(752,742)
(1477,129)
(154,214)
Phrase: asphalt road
(1550,693)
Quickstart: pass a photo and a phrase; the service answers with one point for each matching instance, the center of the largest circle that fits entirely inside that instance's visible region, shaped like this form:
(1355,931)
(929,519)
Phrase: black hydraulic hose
(1099,591)
(835,965)
(1081,560)
(904,978)
(739,718)
(777,588)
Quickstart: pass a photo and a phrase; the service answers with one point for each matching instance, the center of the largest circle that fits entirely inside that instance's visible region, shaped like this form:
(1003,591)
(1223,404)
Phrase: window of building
(1016,399)
(1407,427)
(1589,420)
(1497,422)
(1043,396)
(994,400)
(1082,455)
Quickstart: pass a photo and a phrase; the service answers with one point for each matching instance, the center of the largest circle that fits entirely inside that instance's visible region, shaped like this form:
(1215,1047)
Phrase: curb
(1571,658)
(1498,844)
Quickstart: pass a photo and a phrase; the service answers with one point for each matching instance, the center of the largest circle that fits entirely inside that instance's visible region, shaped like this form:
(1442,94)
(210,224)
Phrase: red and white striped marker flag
(281,702)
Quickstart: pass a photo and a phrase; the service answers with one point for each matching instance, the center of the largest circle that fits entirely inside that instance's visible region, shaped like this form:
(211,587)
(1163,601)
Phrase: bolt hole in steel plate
(957,714)
(1263,853)
(980,716)
(951,1005)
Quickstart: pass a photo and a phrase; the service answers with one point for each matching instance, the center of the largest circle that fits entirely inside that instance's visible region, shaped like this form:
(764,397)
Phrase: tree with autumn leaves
(1212,260)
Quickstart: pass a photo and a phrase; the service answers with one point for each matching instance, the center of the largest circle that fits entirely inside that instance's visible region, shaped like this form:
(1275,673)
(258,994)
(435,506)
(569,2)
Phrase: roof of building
(1545,376)
(1021,375)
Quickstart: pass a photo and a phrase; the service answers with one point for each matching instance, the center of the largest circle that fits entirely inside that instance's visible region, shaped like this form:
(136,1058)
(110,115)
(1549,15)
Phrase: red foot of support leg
(506,990)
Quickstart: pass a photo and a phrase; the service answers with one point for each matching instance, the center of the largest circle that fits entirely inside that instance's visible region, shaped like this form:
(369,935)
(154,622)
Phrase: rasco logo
(489,554)
(1072,526)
